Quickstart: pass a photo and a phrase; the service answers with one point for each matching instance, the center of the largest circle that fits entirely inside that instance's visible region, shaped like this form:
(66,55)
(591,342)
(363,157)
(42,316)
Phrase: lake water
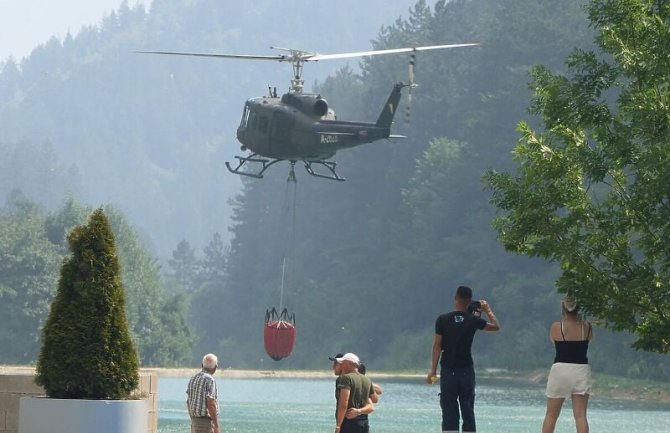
(308,405)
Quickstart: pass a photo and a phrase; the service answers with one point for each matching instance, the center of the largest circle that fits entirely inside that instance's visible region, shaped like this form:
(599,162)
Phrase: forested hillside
(32,248)
(149,133)
(370,262)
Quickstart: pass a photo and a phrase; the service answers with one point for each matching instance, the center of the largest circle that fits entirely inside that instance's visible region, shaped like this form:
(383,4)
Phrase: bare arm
(589,331)
(555,332)
(435,357)
(492,324)
(365,410)
(211,409)
(374,398)
(342,404)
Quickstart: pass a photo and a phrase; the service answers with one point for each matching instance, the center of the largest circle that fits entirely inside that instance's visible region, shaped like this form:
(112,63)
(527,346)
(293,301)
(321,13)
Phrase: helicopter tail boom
(386,116)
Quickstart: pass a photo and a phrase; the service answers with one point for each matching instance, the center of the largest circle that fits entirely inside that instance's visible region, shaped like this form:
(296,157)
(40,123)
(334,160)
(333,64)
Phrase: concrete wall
(20,382)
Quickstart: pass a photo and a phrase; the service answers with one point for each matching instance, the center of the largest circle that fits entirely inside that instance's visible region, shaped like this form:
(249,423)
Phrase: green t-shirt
(360,389)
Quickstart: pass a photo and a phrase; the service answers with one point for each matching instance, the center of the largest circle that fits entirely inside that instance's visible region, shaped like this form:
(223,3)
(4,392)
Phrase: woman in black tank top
(570,375)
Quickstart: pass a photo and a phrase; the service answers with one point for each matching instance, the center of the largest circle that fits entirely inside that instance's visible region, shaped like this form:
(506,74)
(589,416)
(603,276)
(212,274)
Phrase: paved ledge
(19,381)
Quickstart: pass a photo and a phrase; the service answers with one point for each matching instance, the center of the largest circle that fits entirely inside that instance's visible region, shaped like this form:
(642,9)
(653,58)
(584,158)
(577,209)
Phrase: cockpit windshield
(245,116)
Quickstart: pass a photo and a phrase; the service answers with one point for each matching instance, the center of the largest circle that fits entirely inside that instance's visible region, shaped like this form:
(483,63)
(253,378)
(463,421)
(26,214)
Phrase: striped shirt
(200,387)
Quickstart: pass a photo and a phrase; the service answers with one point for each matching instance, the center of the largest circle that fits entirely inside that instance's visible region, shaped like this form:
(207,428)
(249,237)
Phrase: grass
(631,389)
(604,385)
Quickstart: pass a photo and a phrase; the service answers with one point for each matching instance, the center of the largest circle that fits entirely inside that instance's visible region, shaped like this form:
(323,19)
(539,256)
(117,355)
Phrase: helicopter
(298,126)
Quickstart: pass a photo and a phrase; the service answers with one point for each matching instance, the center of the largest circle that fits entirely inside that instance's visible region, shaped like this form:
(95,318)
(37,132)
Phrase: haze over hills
(370,262)
(26,24)
(151,134)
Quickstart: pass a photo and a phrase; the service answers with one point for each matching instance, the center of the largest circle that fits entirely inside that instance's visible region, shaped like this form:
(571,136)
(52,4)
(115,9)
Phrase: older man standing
(352,392)
(202,400)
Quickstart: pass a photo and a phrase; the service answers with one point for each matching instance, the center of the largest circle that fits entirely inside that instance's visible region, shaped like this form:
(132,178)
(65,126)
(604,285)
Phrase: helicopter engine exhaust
(312,105)
(320,107)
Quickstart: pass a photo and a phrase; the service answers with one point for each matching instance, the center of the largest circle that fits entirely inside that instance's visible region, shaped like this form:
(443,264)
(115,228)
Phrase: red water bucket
(279,334)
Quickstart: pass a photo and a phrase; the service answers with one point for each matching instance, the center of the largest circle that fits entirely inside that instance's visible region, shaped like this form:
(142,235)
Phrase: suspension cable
(291,234)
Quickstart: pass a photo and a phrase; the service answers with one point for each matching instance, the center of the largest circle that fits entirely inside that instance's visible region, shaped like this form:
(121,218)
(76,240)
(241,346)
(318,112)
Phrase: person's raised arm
(492,322)
(589,332)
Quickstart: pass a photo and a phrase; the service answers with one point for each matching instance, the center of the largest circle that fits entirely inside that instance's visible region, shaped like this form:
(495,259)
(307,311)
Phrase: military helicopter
(301,126)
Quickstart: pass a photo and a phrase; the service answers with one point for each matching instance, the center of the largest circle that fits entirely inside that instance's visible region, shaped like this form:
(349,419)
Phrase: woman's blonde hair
(570,305)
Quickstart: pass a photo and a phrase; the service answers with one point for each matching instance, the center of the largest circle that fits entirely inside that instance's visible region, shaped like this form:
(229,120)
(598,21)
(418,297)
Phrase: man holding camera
(452,345)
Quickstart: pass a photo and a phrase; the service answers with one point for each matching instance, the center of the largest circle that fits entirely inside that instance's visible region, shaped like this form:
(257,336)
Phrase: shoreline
(609,387)
(227,373)
(259,374)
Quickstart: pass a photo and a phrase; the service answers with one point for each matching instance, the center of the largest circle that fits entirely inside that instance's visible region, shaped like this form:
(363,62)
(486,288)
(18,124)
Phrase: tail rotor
(411,85)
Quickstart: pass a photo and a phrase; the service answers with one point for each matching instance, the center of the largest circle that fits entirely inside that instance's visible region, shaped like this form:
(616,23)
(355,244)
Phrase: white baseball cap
(349,357)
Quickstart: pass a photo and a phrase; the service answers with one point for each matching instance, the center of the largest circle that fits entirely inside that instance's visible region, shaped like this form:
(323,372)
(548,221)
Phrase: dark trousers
(356,425)
(457,389)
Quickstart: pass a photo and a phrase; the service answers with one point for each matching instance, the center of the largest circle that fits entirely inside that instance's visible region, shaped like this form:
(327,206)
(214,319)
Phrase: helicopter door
(257,130)
(282,126)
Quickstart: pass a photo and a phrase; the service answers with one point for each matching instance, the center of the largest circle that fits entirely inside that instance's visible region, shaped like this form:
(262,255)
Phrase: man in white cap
(202,401)
(352,392)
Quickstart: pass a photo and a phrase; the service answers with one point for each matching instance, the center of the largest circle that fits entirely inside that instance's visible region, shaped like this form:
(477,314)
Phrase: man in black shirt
(452,345)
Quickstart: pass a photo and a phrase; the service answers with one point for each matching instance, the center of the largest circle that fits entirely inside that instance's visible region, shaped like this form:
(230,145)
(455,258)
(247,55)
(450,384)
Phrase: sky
(25,24)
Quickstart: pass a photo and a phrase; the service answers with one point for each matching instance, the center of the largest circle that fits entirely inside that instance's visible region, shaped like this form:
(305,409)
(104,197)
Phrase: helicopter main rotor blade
(277,58)
(318,57)
(297,55)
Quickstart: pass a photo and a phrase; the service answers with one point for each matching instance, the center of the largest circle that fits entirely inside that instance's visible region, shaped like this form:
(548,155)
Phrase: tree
(32,247)
(58,223)
(591,192)
(184,266)
(215,259)
(37,171)
(28,272)
(155,319)
(87,351)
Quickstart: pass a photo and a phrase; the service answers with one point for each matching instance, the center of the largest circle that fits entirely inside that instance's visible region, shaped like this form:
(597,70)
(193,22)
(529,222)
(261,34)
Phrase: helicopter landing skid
(251,158)
(330,165)
(267,163)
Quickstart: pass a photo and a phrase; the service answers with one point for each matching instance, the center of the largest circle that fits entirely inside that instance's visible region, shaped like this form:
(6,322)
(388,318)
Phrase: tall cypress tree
(87,351)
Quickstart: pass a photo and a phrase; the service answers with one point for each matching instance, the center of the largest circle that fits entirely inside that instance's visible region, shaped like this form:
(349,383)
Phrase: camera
(475,308)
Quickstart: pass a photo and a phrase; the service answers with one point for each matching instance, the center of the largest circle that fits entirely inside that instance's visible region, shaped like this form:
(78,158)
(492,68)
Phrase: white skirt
(567,379)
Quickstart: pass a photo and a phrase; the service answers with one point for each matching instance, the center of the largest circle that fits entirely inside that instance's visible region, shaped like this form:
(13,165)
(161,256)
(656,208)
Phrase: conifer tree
(87,351)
